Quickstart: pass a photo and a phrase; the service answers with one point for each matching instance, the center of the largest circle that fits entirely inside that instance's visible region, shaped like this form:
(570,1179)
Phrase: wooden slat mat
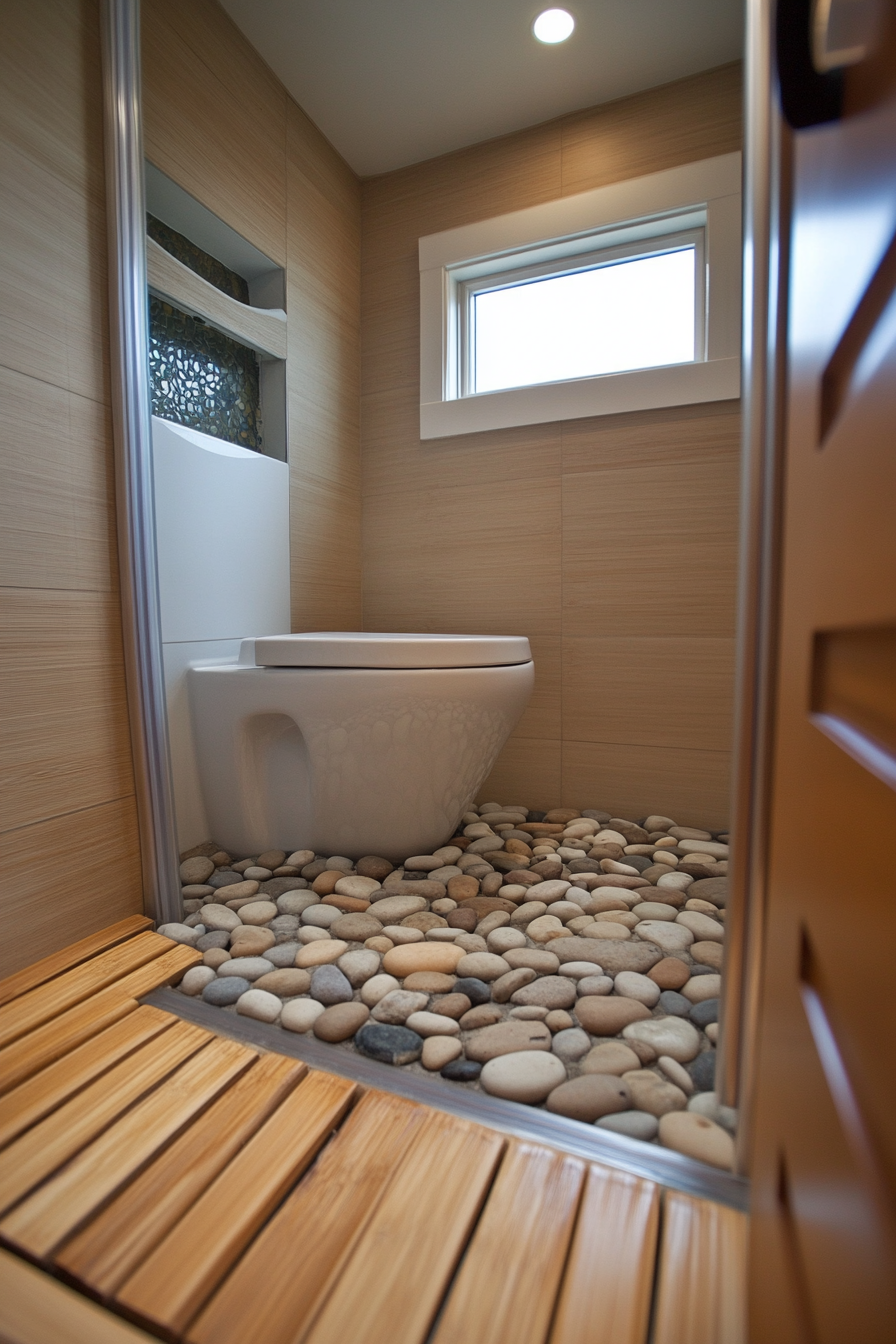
(205,1192)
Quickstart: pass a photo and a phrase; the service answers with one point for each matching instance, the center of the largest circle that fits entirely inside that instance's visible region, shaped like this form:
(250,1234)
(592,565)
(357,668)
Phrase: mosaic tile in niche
(212,270)
(201,378)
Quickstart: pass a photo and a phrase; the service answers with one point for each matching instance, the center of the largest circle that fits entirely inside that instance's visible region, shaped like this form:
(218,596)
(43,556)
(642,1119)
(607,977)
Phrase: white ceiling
(392,82)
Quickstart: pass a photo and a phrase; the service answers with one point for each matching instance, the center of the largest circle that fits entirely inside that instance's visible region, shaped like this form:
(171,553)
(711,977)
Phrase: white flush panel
(222,532)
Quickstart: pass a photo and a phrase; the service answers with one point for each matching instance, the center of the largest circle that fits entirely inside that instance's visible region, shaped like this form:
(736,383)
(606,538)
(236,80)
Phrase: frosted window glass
(626,315)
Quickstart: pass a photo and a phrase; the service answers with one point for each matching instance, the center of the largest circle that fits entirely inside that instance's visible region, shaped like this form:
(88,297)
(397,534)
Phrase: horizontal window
(636,310)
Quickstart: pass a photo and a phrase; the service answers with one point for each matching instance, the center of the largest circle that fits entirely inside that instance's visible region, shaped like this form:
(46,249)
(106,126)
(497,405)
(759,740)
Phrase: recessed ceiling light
(553,25)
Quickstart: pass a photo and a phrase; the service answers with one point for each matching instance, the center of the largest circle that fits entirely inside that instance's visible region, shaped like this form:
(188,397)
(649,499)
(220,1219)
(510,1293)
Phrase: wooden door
(823,1157)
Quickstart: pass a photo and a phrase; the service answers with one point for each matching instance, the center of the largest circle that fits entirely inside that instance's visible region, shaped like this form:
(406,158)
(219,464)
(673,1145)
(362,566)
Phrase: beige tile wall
(610,542)
(221,124)
(68,831)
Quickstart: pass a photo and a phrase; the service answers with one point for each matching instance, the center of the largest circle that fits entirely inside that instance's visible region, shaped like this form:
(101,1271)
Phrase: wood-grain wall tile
(395,459)
(693,118)
(57,519)
(661,437)
(462,559)
(325,555)
(651,550)
(220,136)
(73,875)
(527,771)
(64,741)
(51,107)
(53,302)
(661,691)
(629,780)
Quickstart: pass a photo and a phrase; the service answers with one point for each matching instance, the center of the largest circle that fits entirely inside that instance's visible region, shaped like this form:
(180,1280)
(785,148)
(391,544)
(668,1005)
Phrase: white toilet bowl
(353,744)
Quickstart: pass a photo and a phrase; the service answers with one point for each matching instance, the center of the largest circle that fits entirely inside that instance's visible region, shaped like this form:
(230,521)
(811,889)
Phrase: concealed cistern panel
(222,529)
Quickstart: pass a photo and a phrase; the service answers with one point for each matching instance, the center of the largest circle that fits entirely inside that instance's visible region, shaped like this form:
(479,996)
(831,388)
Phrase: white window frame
(559,236)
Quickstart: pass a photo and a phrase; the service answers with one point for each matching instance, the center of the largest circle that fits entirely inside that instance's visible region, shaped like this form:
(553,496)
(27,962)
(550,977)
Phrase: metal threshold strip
(615,1150)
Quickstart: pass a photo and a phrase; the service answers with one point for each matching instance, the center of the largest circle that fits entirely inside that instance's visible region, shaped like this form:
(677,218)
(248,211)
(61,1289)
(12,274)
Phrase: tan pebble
(529,1012)
(507,1038)
(300,857)
(703,927)
(258,912)
(470,942)
(219,917)
(524,914)
(432,1024)
(496,920)
(379,943)
(312,934)
(246,942)
(712,1032)
(340,1021)
(610,1057)
(444,906)
(373,866)
(482,966)
(703,907)
(702,987)
(542,961)
(439,1051)
(300,1014)
(589,1097)
(670,973)
(401,935)
(361,887)
(602,1016)
(654,1094)
(287,982)
(697,1136)
(526,1076)
(667,1035)
(215,957)
(325,883)
(395,1008)
(603,929)
(708,954)
(238,891)
(377,987)
(502,940)
(429,982)
(483,1015)
(545,929)
(507,984)
(452,1005)
(321,953)
(393,909)
(423,956)
(463,888)
(676,1074)
(196,870)
(558,1020)
(626,918)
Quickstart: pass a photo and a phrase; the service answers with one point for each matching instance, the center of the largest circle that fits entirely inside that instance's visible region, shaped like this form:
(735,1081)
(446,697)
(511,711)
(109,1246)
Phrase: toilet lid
(358,649)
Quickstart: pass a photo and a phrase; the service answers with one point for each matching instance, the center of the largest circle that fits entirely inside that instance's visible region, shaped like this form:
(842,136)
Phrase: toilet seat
(361,649)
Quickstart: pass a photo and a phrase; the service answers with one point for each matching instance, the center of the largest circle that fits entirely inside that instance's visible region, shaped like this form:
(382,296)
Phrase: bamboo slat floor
(200,1190)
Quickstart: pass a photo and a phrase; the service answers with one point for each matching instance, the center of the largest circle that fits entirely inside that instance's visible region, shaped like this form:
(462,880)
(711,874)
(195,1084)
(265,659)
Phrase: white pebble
(196,979)
(377,988)
(432,1024)
(631,985)
(300,1014)
(261,1005)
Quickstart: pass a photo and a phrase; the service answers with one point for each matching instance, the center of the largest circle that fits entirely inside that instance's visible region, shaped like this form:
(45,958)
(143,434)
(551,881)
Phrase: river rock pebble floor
(566,959)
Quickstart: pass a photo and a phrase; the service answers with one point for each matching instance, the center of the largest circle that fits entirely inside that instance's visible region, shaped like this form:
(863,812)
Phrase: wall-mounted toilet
(353,743)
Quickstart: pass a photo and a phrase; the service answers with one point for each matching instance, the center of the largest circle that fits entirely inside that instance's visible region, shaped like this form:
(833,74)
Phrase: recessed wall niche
(217,324)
